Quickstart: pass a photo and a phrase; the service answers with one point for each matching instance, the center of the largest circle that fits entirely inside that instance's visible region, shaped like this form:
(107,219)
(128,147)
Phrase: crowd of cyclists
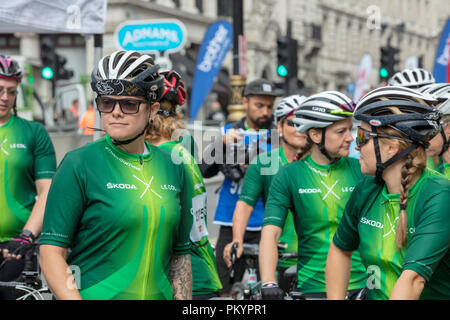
(129,210)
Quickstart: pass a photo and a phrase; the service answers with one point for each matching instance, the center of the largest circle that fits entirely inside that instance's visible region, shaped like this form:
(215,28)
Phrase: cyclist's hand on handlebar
(271,291)
(17,247)
(227,252)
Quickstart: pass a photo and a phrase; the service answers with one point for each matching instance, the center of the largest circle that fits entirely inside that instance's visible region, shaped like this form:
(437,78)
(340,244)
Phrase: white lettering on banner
(213,49)
(443,58)
(150,34)
(372,223)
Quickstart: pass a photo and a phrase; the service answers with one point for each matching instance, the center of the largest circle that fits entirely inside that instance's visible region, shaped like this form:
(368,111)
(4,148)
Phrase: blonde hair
(164,127)
(414,165)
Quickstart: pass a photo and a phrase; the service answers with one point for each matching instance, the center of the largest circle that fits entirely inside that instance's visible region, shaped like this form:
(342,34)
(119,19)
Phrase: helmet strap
(380,165)
(324,151)
(122,142)
(446,142)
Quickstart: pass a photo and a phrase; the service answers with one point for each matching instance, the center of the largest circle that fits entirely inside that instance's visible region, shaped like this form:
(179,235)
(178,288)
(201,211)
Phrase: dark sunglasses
(127,106)
(363,136)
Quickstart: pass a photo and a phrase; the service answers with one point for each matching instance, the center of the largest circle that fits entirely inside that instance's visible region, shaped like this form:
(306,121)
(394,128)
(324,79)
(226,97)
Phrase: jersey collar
(128,155)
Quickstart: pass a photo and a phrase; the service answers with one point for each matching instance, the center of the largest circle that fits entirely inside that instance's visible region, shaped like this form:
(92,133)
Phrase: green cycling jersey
(257,181)
(123,216)
(369,225)
(317,195)
(26,155)
(204,270)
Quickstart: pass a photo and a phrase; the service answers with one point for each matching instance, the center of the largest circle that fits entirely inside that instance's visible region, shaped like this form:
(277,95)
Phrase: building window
(224,8)
(199,5)
(177,3)
(9,41)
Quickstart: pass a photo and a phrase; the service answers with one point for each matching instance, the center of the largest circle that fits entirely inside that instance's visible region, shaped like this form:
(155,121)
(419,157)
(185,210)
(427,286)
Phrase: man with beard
(258,100)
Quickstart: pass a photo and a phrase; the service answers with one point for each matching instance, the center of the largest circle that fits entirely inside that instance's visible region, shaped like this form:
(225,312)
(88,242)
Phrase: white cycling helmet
(441,91)
(412,78)
(323,109)
(287,106)
(128,73)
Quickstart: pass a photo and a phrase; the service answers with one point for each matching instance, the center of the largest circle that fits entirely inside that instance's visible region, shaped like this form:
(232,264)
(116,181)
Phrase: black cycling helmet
(10,69)
(402,109)
(128,73)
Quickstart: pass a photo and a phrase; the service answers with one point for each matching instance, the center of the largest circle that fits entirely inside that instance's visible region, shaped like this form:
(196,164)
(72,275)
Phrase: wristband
(269,284)
(27,234)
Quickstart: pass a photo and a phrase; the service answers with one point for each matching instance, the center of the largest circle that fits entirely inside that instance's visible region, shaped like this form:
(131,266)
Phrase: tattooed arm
(181,277)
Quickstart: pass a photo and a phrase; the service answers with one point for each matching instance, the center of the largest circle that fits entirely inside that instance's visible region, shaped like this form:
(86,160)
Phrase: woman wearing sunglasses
(316,190)
(398,215)
(165,133)
(119,204)
(258,178)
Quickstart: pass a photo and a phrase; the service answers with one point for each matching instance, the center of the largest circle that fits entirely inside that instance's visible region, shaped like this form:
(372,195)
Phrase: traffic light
(47,58)
(53,64)
(287,57)
(388,62)
(283,56)
(61,72)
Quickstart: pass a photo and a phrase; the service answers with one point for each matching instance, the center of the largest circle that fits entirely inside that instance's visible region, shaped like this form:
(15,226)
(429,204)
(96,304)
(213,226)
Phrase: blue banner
(216,43)
(441,70)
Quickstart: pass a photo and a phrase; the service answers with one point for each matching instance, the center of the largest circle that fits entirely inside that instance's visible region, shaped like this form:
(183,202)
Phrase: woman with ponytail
(166,132)
(398,215)
(316,189)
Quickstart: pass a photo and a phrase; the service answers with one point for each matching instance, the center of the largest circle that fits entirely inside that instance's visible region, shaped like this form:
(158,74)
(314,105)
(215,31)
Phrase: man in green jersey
(316,190)
(399,221)
(257,181)
(118,203)
(438,152)
(28,163)
(165,133)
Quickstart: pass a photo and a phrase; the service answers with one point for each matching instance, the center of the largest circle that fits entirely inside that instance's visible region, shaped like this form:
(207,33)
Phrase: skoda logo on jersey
(372,223)
(111,185)
(312,190)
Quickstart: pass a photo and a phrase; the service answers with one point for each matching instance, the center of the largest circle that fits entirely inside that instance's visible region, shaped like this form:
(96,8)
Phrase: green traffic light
(282,71)
(384,73)
(47,73)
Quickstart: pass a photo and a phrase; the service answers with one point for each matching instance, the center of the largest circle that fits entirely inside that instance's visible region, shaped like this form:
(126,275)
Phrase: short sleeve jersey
(122,215)
(370,221)
(257,181)
(204,270)
(316,194)
(26,155)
